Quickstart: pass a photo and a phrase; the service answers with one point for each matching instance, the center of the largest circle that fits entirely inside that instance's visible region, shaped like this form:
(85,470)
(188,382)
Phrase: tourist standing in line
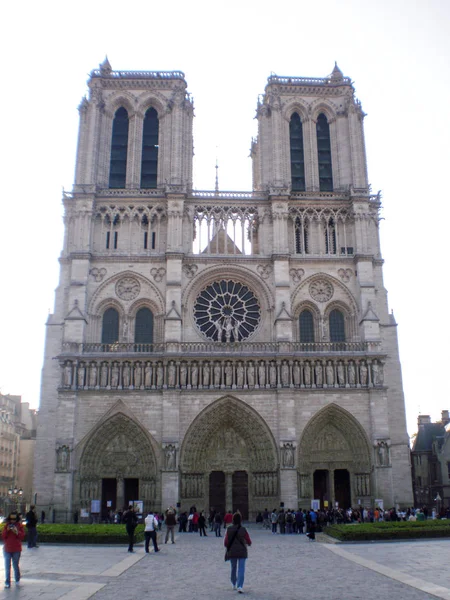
(236,542)
(228,519)
(151,531)
(274,520)
(171,522)
(12,534)
(217,523)
(32,522)
(130,519)
(201,524)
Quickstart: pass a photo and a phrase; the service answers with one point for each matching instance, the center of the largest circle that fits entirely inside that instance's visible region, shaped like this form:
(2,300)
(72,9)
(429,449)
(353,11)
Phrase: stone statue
(148,375)
(330,373)
(383,454)
(81,375)
(93,375)
(206,374)
(363,374)
(104,375)
(217,372)
(67,378)
(228,374)
(375,373)
(125,330)
(218,327)
(137,375)
(285,374)
(171,374)
(262,374)
(240,375)
(340,373)
(250,375)
(126,375)
(307,374)
(170,453)
(351,373)
(228,327)
(114,375)
(62,458)
(273,374)
(296,374)
(183,374)
(194,375)
(236,330)
(318,370)
(288,455)
(159,375)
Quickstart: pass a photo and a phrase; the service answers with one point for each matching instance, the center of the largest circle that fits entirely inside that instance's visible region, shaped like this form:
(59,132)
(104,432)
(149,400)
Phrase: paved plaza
(279,567)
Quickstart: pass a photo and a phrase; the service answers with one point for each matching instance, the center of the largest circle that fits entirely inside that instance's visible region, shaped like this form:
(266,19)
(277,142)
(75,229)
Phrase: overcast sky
(396,52)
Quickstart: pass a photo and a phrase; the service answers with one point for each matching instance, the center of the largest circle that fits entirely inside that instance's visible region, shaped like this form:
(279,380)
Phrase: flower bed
(401,530)
(60,533)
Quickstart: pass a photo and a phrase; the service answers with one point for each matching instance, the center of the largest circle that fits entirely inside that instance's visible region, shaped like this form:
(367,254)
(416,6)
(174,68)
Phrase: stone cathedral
(212,348)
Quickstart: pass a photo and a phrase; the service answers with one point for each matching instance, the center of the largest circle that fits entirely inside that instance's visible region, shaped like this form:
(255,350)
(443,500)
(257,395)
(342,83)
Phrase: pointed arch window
(149,165)
(324,154)
(337,326)
(119,149)
(301,236)
(306,324)
(143,329)
(110,326)
(297,154)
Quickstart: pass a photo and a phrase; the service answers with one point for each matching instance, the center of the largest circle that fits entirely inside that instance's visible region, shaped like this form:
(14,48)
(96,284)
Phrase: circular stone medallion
(128,288)
(321,290)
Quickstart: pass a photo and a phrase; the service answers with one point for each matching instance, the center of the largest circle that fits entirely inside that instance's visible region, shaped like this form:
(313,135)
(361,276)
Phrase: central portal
(240,493)
(219,492)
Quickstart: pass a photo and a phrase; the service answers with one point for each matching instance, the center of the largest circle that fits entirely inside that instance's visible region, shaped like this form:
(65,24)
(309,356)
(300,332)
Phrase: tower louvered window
(297,155)
(143,329)
(119,149)
(324,154)
(110,326)
(149,166)
(337,326)
(306,323)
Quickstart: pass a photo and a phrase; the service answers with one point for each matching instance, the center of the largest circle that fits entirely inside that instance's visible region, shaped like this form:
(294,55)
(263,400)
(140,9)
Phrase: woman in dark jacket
(236,541)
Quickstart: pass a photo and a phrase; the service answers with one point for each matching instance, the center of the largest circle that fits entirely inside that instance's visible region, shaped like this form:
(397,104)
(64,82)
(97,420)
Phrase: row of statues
(265,484)
(212,374)
(361,484)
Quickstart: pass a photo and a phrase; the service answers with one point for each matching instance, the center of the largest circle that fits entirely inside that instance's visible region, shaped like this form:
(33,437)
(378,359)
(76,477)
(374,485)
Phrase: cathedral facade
(220,349)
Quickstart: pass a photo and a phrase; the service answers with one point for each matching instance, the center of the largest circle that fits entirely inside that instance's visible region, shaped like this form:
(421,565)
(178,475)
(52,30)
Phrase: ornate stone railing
(138,74)
(277,79)
(231,348)
(153,373)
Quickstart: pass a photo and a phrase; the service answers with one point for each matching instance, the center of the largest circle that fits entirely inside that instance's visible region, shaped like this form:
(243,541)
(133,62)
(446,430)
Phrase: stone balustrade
(311,373)
(222,348)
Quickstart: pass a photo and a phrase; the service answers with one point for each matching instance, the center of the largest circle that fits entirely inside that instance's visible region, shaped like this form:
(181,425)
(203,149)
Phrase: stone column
(228,491)
(120,494)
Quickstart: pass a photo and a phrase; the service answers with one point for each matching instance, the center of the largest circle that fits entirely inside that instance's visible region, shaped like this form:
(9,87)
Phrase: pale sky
(397,52)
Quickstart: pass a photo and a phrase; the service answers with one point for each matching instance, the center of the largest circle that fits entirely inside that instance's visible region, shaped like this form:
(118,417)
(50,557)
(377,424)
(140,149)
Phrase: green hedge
(402,530)
(59,533)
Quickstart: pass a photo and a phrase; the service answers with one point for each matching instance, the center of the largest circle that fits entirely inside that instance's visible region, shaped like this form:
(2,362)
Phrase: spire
(336,74)
(105,67)
(217,176)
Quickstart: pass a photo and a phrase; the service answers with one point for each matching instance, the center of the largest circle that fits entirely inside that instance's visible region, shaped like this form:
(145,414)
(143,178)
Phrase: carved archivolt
(334,436)
(227,435)
(118,448)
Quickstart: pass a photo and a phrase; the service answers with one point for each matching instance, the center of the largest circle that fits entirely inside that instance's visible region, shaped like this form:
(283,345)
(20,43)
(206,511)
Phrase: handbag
(227,551)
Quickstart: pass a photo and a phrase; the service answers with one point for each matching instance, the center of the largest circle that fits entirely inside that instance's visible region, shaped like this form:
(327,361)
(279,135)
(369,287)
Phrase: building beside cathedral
(220,349)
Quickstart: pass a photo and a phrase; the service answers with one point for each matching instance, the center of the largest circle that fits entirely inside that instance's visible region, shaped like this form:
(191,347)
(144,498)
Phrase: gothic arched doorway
(117,466)
(334,460)
(229,460)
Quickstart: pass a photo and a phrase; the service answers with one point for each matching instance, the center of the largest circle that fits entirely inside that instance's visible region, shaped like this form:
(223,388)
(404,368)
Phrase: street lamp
(15,494)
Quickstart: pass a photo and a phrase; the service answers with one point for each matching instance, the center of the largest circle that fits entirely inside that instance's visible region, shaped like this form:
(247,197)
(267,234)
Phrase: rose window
(227,311)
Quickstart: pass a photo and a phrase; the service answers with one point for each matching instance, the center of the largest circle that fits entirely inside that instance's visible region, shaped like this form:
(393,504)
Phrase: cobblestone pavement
(278,568)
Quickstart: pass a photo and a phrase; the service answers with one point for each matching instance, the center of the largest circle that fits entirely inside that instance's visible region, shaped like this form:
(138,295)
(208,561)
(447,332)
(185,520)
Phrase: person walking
(130,519)
(236,542)
(12,534)
(201,524)
(151,531)
(32,522)
(274,520)
(217,523)
(171,522)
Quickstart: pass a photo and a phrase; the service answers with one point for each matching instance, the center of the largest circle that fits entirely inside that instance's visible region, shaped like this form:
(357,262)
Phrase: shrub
(60,533)
(390,530)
